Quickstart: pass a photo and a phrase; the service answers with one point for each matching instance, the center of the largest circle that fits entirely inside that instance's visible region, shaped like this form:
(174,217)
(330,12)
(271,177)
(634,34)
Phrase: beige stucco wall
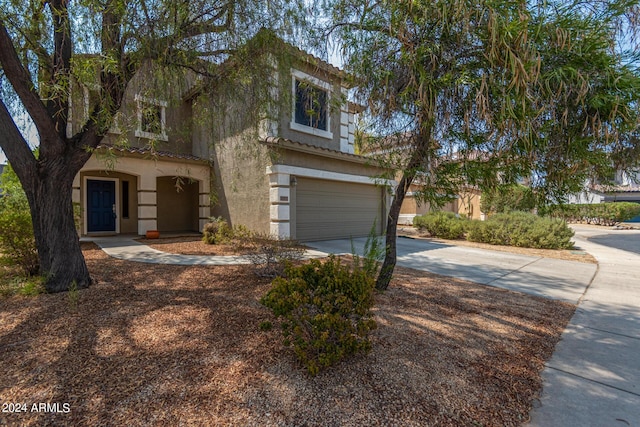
(240,185)
(167,87)
(324,161)
(468,204)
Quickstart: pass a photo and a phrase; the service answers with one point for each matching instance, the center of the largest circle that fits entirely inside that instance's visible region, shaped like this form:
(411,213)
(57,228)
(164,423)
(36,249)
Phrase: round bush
(442,224)
(326,311)
(522,229)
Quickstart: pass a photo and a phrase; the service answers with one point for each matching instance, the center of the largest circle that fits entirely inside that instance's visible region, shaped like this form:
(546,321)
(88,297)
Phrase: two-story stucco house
(293,173)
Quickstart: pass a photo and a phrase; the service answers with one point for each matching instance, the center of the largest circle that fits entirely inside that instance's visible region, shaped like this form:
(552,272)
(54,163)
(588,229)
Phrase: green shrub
(609,213)
(373,254)
(508,198)
(17,284)
(522,229)
(325,309)
(217,231)
(442,224)
(17,242)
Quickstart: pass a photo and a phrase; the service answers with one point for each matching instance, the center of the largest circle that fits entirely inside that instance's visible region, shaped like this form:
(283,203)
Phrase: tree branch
(58,105)
(15,146)
(24,87)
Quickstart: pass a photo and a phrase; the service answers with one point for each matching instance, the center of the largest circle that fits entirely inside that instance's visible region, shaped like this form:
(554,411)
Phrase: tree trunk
(61,259)
(416,162)
(389,263)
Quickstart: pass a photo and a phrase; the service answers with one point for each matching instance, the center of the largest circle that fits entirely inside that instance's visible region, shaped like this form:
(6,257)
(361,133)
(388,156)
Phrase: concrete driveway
(545,277)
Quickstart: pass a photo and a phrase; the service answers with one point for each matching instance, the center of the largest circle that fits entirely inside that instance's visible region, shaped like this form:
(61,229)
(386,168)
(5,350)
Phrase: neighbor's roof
(634,188)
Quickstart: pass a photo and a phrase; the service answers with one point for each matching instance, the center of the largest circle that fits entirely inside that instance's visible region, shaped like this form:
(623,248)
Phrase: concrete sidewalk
(593,378)
(126,248)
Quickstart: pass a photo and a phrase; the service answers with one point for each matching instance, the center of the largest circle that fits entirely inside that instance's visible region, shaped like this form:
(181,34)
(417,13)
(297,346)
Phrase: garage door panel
(330,209)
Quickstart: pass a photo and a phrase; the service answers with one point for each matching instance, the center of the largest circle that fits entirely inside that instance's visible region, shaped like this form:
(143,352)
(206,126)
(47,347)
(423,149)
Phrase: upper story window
(151,118)
(311,105)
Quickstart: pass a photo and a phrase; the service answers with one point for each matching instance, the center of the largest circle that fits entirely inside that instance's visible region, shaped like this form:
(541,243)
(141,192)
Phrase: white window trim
(301,76)
(163,120)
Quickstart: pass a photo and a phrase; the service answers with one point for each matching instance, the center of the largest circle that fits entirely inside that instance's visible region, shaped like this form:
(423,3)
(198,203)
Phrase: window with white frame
(151,118)
(311,105)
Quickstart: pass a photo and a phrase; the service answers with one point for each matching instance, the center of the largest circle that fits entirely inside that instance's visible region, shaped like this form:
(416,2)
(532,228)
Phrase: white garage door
(332,210)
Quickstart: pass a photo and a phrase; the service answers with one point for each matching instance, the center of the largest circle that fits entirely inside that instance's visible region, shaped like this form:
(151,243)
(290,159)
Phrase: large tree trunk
(61,259)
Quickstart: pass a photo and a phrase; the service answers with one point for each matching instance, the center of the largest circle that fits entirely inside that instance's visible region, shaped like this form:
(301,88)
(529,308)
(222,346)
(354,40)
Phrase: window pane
(125,199)
(151,119)
(311,106)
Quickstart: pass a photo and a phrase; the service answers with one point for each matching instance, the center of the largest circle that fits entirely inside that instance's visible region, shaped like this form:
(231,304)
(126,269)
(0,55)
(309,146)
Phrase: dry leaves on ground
(173,345)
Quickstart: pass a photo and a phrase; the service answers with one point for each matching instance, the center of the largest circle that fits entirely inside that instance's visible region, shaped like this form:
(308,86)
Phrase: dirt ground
(165,345)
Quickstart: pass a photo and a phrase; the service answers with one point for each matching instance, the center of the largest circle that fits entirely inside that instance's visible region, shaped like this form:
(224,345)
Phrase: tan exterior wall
(167,88)
(468,204)
(285,130)
(320,162)
(410,207)
(240,186)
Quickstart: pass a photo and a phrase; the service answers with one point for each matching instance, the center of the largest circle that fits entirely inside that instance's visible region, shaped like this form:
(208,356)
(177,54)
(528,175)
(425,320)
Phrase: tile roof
(152,153)
(634,188)
(288,143)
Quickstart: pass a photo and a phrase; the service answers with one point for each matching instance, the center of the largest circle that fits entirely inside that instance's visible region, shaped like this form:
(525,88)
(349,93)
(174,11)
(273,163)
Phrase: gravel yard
(172,345)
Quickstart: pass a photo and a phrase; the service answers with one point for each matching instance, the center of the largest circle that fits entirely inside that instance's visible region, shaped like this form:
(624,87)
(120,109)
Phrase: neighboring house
(171,165)
(392,150)
(466,204)
(625,188)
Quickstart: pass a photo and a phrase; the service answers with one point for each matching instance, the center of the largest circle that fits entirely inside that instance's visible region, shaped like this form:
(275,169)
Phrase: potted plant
(153,234)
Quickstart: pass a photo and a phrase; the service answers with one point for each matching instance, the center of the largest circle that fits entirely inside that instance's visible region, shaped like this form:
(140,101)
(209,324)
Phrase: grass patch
(14,282)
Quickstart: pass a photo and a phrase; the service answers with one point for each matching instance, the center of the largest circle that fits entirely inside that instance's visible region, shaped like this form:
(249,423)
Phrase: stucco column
(147,203)
(204,203)
(280,205)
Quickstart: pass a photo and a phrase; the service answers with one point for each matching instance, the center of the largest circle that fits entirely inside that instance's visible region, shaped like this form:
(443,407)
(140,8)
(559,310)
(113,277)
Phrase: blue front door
(101,200)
